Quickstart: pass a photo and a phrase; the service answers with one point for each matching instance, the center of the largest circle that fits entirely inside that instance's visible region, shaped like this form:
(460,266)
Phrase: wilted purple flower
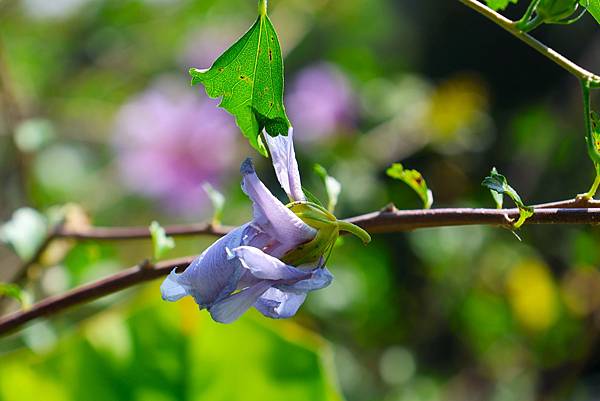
(320,102)
(270,263)
(169,141)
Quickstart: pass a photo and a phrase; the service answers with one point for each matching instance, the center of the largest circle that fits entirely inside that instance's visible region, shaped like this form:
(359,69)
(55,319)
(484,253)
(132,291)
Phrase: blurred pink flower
(169,140)
(207,43)
(320,103)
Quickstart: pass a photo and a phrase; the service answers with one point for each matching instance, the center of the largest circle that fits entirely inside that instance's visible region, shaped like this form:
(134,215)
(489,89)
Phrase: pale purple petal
(209,277)
(232,307)
(320,278)
(270,215)
(277,304)
(173,289)
(267,267)
(285,164)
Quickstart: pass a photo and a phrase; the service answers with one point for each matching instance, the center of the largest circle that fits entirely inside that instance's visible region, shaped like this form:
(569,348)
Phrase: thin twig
(575,203)
(89,292)
(130,233)
(115,234)
(389,220)
(510,26)
(123,233)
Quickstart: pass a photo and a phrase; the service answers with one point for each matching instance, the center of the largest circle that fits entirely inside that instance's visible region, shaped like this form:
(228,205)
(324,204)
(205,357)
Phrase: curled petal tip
(247,167)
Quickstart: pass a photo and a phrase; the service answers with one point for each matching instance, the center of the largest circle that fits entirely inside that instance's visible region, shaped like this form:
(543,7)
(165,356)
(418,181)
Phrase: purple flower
(207,43)
(321,103)
(273,261)
(169,141)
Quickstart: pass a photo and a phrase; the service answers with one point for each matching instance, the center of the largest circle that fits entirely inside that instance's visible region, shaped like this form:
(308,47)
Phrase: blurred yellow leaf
(457,110)
(532,295)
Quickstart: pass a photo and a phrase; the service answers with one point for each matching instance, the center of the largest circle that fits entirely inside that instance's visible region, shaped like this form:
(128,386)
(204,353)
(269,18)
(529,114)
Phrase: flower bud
(556,10)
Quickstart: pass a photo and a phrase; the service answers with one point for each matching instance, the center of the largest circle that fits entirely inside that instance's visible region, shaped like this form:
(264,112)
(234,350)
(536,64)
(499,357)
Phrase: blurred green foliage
(437,314)
(165,353)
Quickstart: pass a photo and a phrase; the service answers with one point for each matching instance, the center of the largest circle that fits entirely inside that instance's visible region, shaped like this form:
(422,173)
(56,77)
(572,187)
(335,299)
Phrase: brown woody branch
(115,234)
(388,220)
(89,292)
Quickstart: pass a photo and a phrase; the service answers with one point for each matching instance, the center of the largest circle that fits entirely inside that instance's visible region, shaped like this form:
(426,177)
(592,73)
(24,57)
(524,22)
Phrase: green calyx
(328,230)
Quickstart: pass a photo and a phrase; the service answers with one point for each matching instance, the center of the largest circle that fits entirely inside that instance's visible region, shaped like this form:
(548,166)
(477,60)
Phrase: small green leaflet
(249,78)
(499,4)
(16,292)
(413,179)
(312,198)
(161,244)
(594,146)
(332,187)
(499,184)
(593,6)
(497,196)
(218,202)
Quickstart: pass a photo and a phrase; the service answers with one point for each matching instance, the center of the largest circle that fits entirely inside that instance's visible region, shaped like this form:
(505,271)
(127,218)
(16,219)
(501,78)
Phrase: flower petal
(172,289)
(271,215)
(267,267)
(286,167)
(320,278)
(232,307)
(277,304)
(211,276)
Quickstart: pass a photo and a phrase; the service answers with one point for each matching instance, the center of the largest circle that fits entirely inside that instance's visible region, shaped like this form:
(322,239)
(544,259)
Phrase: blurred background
(99,125)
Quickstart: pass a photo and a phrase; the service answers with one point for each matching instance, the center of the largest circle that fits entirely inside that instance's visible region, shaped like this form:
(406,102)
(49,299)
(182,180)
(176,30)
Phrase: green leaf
(498,183)
(249,78)
(413,179)
(25,232)
(112,355)
(595,137)
(161,244)
(16,292)
(593,6)
(499,4)
(218,202)
(498,197)
(332,187)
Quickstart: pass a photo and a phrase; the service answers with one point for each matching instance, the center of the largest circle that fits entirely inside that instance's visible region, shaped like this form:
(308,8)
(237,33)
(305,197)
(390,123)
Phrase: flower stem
(590,194)
(590,139)
(523,23)
(354,229)
(262,7)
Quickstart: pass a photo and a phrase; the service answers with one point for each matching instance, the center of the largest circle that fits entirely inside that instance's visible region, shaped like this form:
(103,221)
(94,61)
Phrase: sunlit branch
(89,292)
(388,220)
(117,234)
(511,26)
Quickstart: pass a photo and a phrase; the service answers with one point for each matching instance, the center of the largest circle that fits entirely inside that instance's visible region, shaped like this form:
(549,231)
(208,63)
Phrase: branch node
(389,208)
